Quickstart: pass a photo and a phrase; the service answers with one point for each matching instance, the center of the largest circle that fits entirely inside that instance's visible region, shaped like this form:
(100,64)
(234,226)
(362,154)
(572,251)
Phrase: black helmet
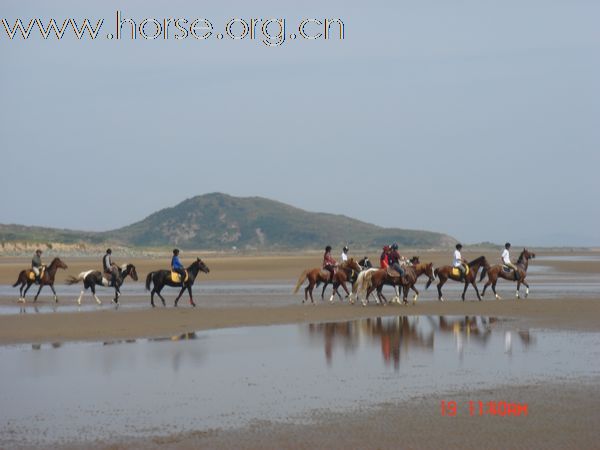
(109,251)
(328,248)
(345,249)
(38,251)
(394,246)
(175,251)
(458,246)
(507,245)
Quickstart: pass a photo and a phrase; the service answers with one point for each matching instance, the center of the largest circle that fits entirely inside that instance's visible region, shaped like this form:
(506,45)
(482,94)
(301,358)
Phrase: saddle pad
(31,274)
(176,278)
(456,272)
(392,272)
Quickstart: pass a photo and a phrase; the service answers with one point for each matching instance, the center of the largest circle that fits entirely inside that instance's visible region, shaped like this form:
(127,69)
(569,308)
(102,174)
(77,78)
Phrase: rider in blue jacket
(176,265)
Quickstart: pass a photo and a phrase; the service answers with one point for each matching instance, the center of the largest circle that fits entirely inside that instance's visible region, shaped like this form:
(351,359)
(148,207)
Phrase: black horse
(162,278)
(93,278)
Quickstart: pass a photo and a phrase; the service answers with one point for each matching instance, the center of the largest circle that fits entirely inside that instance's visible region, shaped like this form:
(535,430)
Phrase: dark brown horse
(162,278)
(375,280)
(498,271)
(27,278)
(446,273)
(318,275)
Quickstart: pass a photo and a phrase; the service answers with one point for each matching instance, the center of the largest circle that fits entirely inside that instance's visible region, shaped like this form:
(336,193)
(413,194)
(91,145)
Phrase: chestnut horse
(498,271)
(162,278)
(364,265)
(444,273)
(375,280)
(318,275)
(46,279)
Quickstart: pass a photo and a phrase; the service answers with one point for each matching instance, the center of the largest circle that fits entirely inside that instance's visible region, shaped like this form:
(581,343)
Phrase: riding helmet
(345,249)
(38,251)
(109,251)
(175,251)
(507,245)
(458,246)
(328,248)
(394,246)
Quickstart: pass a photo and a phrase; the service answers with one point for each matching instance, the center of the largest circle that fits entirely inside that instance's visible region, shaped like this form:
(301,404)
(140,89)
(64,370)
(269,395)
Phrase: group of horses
(92,278)
(365,279)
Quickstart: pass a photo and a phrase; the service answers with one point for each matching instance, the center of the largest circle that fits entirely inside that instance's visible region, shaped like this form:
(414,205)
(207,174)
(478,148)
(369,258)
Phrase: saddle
(507,269)
(327,274)
(176,278)
(391,272)
(31,273)
(456,272)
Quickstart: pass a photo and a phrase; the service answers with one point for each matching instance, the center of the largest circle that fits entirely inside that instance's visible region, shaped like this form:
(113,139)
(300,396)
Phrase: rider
(176,265)
(109,267)
(506,260)
(459,262)
(36,265)
(384,261)
(394,259)
(329,263)
(344,255)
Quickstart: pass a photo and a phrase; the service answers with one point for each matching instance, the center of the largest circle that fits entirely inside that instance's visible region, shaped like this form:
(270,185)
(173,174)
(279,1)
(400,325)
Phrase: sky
(474,118)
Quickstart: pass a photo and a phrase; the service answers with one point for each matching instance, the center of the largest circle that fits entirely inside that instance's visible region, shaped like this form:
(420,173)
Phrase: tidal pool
(52,393)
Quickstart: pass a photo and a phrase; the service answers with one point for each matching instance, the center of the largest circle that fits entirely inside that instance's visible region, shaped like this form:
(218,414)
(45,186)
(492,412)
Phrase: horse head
(130,269)
(201,266)
(365,263)
(58,263)
(525,256)
(414,260)
(353,265)
(428,270)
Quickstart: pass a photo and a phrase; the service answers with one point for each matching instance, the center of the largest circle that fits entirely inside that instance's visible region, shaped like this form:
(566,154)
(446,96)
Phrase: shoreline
(560,314)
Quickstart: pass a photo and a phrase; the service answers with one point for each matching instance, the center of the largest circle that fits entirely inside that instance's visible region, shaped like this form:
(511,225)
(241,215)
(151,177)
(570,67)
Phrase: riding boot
(517,276)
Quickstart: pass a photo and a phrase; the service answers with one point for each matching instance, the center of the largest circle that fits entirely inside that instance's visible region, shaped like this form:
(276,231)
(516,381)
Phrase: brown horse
(318,275)
(27,277)
(375,280)
(445,273)
(498,271)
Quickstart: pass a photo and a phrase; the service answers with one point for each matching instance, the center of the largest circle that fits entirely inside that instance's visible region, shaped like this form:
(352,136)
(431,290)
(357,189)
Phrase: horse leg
(381,296)
(180,294)
(526,287)
(416,294)
(189,288)
(476,290)
(518,287)
(38,292)
(26,289)
(465,290)
(158,292)
(439,288)
(323,291)
(21,294)
(80,296)
(152,296)
(93,288)
(346,290)
(116,299)
(54,292)
(494,289)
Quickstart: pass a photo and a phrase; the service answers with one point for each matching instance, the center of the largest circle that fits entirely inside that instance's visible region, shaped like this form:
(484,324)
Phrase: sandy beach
(562,412)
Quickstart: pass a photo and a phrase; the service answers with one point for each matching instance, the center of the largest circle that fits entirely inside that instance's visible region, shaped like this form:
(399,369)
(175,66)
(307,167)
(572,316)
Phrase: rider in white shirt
(506,260)
(344,256)
(459,261)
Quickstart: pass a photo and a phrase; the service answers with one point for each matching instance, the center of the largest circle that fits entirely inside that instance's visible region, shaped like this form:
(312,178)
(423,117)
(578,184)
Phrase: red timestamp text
(481,408)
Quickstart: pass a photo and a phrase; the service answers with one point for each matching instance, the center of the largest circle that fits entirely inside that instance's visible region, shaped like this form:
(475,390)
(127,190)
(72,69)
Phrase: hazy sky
(475,118)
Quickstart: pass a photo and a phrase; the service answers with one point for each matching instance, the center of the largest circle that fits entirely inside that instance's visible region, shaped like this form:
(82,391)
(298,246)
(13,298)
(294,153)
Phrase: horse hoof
(441,299)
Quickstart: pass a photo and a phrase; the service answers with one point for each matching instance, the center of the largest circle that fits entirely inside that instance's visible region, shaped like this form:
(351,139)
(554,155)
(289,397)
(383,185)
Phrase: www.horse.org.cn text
(272,32)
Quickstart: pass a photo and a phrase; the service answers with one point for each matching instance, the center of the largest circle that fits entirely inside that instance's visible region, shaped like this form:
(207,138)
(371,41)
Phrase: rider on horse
(176,266)
(36,265)
(394,259)
(329,263)
(109,267)
(384,261)
(344,255)
(506,260)
(459,262)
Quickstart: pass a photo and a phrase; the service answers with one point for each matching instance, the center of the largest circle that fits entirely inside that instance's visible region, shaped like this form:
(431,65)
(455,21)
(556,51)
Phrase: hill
(220,222)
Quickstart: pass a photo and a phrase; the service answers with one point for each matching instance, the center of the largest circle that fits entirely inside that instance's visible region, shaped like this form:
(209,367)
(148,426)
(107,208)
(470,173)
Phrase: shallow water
(228,378)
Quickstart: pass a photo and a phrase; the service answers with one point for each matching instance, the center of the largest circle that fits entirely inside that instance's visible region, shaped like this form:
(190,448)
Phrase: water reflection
(397,336)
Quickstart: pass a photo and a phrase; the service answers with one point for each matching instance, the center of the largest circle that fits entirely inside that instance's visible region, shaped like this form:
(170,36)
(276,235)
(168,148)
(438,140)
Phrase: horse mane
(476,261)
(520,260)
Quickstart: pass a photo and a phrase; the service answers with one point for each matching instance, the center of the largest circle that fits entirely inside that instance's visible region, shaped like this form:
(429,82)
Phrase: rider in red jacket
(383,259)
(329,263)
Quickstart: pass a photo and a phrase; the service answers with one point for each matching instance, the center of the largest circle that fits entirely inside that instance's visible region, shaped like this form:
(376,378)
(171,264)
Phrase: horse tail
(149,280)
(367,280)
(21,273)
(483,273)
(300,281)
(74,280)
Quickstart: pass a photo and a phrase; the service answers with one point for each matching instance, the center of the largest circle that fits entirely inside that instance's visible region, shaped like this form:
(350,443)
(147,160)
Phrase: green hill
(218,221)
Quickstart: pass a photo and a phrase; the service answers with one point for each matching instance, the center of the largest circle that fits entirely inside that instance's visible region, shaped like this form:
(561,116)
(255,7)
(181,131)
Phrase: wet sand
(563,414)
